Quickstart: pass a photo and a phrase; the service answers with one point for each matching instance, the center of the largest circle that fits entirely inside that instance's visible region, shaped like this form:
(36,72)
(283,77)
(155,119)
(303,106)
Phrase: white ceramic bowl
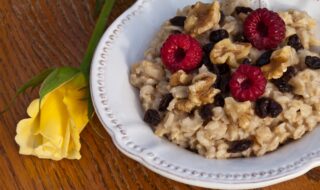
(117,105)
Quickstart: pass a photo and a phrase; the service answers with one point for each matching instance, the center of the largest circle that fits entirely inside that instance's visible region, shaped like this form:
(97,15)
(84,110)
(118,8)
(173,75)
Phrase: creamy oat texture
(236,120)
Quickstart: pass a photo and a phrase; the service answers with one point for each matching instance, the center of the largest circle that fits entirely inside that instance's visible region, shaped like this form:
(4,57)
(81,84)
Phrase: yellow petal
(33,108)
(48,151)
(74,146)
(53,118)
(76,106)
(26,136)
(78,111)
(66,141)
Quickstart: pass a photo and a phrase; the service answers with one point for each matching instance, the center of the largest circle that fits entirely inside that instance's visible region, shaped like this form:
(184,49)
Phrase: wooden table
(37,34)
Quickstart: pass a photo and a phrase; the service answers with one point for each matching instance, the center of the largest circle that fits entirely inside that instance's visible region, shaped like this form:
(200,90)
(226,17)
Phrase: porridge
(226,81)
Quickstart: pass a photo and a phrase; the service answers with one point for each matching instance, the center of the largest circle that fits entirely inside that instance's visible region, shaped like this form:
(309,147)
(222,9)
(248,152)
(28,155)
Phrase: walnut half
(200,93)
(228,52)
(202,17)
(280,60)
(180,78)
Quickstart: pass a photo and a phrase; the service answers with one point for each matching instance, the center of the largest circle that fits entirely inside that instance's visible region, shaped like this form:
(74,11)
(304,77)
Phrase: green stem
(96,36)
(99,4)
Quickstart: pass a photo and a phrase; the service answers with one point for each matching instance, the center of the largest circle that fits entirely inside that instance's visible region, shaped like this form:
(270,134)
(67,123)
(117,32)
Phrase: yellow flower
(53,129)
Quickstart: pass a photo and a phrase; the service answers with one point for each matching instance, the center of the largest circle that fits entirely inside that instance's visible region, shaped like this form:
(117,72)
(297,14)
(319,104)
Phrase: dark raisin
(223,73)
(239,38)
(218,100)
(274,109)
(313,62)
(207,62)
(244,10)
(267,107)
(165,101)
(221,69)
(246,61)
(261,108)
(207,48)
(206,112)
(264,59)
(239,145)
(218,69)
(178,21)
(285,87)
(294,41)
(218,35)
(282,85)
(222,17)
(291,72)
(152,117)
(222,83)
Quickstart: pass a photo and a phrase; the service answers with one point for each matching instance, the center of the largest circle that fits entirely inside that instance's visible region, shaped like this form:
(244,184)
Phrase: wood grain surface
(38,34)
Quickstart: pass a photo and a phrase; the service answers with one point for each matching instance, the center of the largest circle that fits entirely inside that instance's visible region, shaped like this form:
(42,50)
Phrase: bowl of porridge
(219,94)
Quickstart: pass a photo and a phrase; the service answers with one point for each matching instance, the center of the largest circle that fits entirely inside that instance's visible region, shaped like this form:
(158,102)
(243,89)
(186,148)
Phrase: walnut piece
(202,17)
(180,78)
(201,92)
(280,60)
(227,52)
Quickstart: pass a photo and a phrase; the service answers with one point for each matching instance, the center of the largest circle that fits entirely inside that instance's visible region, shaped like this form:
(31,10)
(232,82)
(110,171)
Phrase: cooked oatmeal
(196,110)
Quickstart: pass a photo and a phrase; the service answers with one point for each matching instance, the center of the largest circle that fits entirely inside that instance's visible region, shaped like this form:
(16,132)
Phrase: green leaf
(35,81)
(99,4)
(32,83)
(96,36)
(56,78)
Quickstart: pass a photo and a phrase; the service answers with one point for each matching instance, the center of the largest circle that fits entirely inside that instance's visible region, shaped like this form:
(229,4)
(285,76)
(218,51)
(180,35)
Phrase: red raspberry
(181,51)
(264,29)
(247,83)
